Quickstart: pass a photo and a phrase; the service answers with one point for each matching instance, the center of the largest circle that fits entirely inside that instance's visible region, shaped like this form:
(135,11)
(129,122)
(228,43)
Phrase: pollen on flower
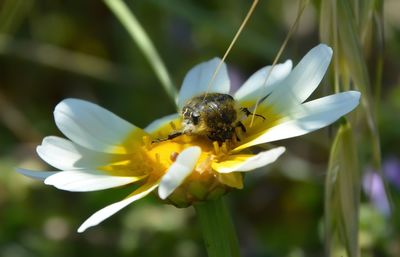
(172,124)
(204,182)
(216,147)
(157,156)
(225,148)
(147,142)
(205,165)
(173,156)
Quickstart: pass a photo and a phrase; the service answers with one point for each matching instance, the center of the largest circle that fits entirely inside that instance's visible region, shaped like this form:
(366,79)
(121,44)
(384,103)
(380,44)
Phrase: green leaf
(61,58)
(138,34)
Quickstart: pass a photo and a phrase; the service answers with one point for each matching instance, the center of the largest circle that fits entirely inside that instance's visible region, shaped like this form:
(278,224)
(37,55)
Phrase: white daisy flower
(104,151)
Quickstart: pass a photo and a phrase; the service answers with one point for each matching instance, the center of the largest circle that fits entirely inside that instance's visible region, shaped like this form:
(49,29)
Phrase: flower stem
(218,230)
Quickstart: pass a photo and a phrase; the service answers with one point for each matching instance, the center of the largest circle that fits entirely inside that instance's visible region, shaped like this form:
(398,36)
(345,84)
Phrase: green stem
(218,230)
(138,34)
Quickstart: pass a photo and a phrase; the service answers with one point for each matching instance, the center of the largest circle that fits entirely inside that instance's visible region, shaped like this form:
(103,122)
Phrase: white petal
(178,171)
(159,123)
(257,86)
(86,180)
(303,80)
(92,126)
(65,155)
(310,116)
(251,163)
(40,175)
(110,210)
(198,79)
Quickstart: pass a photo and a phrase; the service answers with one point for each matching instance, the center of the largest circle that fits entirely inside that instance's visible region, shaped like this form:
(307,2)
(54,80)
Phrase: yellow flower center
(203,183)
(140,157)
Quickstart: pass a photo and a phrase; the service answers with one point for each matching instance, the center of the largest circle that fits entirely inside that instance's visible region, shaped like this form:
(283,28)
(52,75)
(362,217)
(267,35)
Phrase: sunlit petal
(159,123)
(92,126)
(241,163)
(178,171)
(40,175)
(87,180)
(65,155)
(198,80)
(262,82)
(110,210)
(308,117)
(303,80)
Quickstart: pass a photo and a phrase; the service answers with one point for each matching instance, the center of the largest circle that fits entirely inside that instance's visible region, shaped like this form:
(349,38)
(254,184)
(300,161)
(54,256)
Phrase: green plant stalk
(218,230)
(357,66)
(342,194)
(138,34)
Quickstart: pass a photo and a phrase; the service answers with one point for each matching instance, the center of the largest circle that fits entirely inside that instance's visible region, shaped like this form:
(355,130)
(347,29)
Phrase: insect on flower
(214,115)
(199,153)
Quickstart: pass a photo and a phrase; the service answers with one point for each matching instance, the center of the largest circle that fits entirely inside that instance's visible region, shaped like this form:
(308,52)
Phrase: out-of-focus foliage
(51,50)
(355,30)
(342,195)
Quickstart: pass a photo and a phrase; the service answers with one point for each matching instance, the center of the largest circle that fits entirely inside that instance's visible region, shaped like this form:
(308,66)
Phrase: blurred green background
(51,50)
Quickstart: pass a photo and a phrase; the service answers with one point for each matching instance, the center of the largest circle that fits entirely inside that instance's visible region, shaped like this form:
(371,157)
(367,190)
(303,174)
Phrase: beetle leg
(248,113)
(241,126)
(169,137)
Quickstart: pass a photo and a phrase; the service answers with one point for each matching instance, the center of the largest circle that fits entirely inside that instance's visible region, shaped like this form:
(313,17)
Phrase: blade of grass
(64,59)
(244,22)
(357,24)
(380,44)
(17,122)
(217,26)
(139,36)
(328,34)
(302,6)
(355,63)
(342,194)
(12,13)
(338,27)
